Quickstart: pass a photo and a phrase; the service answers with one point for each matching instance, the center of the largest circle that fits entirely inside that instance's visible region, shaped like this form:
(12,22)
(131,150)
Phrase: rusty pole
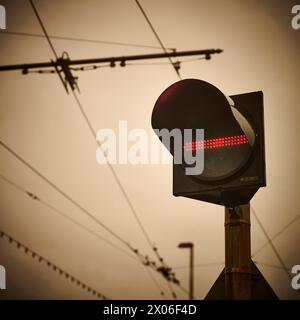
(237,253)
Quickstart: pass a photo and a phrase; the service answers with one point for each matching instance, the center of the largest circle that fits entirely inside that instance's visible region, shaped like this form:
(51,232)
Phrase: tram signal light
(232,146)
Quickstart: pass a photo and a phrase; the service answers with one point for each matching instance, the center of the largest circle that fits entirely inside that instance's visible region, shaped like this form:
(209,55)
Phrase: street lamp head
(184,245)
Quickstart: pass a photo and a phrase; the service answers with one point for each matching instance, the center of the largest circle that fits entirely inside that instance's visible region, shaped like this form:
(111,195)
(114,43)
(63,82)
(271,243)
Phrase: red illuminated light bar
(216,143)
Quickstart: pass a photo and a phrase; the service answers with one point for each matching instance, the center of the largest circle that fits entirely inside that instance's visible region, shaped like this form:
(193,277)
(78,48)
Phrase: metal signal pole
(238,253)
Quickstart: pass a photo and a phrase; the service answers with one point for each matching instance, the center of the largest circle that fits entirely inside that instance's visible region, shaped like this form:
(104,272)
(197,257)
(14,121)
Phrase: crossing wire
(178,74)
(122,189)
(46,204)
(64,215)
(156,36)
(120,185)
(65,195)
(277,235)
(44,29)
(112,170)
(115,43)
(280,259)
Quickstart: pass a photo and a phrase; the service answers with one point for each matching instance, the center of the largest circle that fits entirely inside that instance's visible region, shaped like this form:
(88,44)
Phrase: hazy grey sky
(43,124)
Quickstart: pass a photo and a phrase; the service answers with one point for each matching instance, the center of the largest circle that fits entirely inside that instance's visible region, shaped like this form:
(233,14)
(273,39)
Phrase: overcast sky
(43,124)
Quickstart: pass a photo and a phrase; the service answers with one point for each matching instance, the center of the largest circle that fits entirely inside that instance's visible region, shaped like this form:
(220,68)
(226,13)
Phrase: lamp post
(190,245)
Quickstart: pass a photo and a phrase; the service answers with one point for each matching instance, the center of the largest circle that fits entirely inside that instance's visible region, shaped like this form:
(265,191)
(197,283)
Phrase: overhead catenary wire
(174,296)
(84,40)
(52,265)
(141,257)
(123,191)
(276,235)
(64,194)
(277,254)
(34,197)
(91,216)
(161,292)
(44,29)
(50,44)
(116,178)
(268,265)
(176,68)
(179,62)
(183,289)
(157,36)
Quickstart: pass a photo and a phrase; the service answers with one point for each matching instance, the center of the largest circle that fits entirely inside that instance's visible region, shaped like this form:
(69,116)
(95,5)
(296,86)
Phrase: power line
(143,259)
(156,283)
(176,68)
(163,269)
(64,64)
(115,43)
(65,195)
(285,268)
(44,29)
(268,265)
(157,36)
(174,296)
(116,178)
(280,259)
(54,186)
(177,63)
(277,235)
(183,289)
(36,198)
(68,75)
(64,215)
(52,265)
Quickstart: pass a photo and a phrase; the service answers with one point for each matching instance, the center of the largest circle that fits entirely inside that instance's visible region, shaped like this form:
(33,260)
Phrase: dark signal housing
(233,144)
(239,186)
